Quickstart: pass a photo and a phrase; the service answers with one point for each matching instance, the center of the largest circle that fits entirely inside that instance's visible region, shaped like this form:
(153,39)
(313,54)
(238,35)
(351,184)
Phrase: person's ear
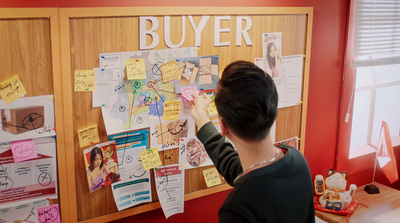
(224,128)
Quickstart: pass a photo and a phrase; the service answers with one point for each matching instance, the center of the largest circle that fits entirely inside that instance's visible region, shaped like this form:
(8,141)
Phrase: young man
(270,184)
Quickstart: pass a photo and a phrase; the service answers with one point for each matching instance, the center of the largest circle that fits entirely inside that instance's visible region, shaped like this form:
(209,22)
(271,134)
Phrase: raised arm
(221,152)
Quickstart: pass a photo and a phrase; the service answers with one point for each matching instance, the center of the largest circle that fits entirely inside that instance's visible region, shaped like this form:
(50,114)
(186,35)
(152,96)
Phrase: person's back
(280,192)
(270,184)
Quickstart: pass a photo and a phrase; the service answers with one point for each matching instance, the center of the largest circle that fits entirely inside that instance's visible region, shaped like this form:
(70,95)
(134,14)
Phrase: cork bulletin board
(85,33)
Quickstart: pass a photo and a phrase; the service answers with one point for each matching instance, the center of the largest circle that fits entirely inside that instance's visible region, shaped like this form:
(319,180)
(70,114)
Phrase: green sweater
(279,192)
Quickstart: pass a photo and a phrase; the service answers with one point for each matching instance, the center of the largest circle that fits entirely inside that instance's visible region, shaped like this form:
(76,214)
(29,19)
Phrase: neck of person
(252,153)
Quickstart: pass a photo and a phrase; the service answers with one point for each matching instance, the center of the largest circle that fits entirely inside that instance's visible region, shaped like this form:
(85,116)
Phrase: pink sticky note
(23,150)
(187,92)
(49,214)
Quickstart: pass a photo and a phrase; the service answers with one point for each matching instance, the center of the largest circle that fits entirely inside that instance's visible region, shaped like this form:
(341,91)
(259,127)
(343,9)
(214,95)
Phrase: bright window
(376,99)
(371,83)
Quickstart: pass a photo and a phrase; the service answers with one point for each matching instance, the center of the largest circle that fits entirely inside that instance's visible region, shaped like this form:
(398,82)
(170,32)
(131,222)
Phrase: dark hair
(270,60)
(93,153)
(247,100)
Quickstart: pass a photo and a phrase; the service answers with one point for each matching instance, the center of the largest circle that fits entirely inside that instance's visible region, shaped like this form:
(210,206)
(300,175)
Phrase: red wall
(327,53)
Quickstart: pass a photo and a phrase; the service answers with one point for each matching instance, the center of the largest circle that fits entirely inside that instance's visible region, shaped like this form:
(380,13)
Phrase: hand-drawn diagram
(135,100)
(34,178)
(27,118)
(192,153)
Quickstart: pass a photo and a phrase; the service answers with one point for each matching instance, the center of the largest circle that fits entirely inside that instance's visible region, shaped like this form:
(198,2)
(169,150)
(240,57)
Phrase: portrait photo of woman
(272,52)
(101,168)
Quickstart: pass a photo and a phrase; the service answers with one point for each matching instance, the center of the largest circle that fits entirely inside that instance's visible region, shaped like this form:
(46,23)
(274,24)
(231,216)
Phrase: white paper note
(170,185)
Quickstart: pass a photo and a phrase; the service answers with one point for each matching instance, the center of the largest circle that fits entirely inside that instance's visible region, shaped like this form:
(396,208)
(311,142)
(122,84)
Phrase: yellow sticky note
(171,110)
(212,109)
(150,158)
(88,136)
(84,80)
(212,177)
(169,71)
(135,69)
(11,89)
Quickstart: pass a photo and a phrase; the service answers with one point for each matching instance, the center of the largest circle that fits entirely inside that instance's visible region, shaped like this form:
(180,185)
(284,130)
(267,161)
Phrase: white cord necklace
(258,164)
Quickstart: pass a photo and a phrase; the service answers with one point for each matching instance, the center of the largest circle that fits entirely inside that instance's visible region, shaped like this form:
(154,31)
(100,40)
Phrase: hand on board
(199,109)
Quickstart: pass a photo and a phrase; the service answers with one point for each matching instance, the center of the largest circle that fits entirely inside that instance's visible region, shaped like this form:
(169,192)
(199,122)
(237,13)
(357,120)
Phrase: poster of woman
(272,54)
(101,165)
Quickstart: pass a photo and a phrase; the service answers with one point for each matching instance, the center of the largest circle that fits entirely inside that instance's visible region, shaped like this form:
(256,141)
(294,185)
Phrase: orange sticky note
(135,69)
(171,110)
(84,80)
(169,71)
(211,177)
(88,136)
(212,109)
(11,89)
(150,158)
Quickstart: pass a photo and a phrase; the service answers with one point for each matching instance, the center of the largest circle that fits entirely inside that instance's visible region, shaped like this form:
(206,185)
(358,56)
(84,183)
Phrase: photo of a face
(101,165)
(272,51)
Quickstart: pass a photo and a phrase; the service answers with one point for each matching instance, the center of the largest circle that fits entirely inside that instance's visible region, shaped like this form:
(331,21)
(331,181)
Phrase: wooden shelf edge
(155,205)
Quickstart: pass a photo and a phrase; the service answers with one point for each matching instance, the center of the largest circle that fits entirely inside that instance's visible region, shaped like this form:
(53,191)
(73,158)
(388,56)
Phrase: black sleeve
(222,153)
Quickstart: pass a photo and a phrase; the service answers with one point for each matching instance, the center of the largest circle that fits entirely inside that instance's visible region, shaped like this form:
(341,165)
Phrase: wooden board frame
(53,15)
(69,214)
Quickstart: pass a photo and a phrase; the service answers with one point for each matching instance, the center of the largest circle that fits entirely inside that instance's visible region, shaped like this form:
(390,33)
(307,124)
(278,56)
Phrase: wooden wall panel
(26,51)
(30,48)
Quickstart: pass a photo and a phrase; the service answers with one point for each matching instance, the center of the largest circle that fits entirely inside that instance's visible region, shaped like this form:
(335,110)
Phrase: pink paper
(187,92)
(23,150)
(49,214)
